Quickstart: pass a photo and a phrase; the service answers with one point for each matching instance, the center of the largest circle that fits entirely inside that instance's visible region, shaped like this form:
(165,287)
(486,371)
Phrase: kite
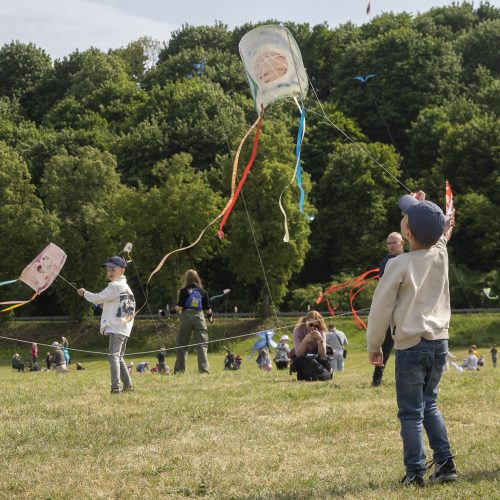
(223,294)
(364,79)
(264,339)
(39,274)
(450,207)
(487,292)
(355,285)
(274,69)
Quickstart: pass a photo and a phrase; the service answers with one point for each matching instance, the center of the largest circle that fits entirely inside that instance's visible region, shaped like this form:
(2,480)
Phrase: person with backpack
(193,305)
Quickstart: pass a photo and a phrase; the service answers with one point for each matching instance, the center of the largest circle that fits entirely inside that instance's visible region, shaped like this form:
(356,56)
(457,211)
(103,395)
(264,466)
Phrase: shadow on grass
(480,475)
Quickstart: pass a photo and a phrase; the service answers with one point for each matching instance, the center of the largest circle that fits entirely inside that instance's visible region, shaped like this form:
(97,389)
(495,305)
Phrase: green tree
(26,226)
(22,68)
(83,191)
(357,208)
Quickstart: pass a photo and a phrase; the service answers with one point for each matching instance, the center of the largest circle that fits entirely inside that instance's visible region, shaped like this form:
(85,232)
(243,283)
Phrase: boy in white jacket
(117,319)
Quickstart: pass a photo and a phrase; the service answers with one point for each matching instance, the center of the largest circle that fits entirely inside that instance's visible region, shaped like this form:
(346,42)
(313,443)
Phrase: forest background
(98,149)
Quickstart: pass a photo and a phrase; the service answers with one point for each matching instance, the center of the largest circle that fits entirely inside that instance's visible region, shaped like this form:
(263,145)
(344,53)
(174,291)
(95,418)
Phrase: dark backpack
(193,300)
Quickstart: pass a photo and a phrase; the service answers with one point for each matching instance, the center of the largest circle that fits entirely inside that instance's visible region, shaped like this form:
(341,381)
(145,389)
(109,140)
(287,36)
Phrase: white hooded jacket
(118,307)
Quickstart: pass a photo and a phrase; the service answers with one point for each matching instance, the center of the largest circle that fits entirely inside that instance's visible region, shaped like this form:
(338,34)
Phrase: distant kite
(364,79)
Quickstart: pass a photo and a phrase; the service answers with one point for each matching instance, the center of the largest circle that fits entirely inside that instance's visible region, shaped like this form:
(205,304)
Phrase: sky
(62,26)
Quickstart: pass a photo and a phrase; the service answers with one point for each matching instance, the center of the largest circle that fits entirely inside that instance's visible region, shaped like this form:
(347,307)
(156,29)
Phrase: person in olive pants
(193,306)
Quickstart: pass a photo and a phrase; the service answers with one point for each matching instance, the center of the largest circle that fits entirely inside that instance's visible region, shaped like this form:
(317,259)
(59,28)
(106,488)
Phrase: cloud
(62,26)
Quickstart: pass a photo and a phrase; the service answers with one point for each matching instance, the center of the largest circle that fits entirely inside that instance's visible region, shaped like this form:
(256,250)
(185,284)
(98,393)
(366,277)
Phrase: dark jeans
(418,372)
(386,352)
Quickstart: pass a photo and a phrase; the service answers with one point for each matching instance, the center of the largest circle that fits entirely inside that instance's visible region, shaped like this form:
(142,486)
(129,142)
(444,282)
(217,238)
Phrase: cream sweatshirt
(413,297)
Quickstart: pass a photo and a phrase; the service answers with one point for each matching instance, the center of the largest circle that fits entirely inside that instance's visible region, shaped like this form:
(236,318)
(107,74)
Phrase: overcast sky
(61,26)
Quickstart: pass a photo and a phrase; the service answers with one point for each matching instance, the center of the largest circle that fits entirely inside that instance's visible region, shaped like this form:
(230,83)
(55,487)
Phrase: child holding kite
(413,296)
(118,308)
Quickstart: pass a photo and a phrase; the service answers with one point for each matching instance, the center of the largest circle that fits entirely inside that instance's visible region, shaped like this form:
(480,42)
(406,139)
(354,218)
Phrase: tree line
(136,144)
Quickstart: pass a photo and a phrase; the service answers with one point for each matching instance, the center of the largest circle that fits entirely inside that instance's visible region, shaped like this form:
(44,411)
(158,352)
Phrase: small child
(237,362)
(117,319)
(48,361)
(264,360)
(282,352)
(143,367)
(59,358)
(34,354)
(413,297)
(162,366)
(470,362)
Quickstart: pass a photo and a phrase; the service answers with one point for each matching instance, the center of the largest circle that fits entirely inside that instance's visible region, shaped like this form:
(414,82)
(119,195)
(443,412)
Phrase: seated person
(17,364)
(309,340)
(470,363)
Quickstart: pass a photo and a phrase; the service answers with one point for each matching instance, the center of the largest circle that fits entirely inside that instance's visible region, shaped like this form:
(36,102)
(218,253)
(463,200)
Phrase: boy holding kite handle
(413,297)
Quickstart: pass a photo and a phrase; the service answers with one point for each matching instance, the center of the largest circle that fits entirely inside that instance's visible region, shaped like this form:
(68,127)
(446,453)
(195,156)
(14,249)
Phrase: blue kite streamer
(298,147)
(265,339)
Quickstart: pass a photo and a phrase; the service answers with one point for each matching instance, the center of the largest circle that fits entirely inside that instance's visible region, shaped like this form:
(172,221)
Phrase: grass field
(242,434)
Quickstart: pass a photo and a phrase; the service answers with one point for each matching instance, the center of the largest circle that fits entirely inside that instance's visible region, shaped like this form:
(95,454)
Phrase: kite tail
(7,282)
(229,206)
(17,303)
(225,212)
(297,172)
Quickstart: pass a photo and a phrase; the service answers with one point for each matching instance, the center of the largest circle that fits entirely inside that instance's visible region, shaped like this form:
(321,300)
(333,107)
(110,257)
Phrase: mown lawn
(242,434)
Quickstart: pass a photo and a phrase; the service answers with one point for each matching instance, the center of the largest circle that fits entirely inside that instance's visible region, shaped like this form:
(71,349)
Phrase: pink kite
(39,274)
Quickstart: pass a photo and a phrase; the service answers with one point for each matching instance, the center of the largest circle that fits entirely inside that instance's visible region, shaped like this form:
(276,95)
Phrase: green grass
(242,434)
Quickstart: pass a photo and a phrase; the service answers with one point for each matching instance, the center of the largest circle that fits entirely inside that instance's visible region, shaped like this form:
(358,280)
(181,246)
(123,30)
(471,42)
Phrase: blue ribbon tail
(7,282)
(298,147)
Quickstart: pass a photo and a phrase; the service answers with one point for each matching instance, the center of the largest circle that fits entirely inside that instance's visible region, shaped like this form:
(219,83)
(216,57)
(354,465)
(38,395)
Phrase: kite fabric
(355,285)
(487,292)
(264,339)
(273,65)
(450,207)
(39,274)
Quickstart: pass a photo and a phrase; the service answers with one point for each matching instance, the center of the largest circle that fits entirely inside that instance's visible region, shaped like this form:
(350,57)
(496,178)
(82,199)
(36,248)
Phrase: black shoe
(115,391)
(376,382)
(444,472)
(128,388)
(415,480)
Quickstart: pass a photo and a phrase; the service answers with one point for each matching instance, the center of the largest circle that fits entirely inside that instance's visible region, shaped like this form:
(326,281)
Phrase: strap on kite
(233,199)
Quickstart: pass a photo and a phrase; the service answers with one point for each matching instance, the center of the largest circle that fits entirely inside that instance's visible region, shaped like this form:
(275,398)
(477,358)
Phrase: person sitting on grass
(58,356)
(143,367)
(309,357)
(17,364)
(413,297)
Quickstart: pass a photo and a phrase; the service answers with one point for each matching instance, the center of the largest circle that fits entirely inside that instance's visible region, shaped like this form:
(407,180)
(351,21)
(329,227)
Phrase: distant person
(413,296)
(264,360)
(337,341)
(193,305)
(34,354)
(16,362)
(493,352)
(48,361)
(79,366)
(470,362)
(281,357)
(117,320)
(395,247)
(162,365)
(142,367)
(58,356)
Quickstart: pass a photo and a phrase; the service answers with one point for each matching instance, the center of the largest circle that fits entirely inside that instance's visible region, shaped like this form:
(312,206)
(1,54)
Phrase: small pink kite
(39,274)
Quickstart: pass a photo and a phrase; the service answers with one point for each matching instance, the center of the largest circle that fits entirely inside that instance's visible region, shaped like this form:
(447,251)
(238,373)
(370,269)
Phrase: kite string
(183,346)
(73,285)
(350,139)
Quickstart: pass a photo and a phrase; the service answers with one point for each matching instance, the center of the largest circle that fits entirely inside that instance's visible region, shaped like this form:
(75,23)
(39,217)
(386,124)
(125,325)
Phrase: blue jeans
(418,372)
(338,363)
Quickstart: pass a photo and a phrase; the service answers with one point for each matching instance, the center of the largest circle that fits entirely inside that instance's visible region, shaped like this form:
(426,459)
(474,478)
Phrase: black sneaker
(128,388)
(444,472)
(115,391)
(376,382)
(415,480)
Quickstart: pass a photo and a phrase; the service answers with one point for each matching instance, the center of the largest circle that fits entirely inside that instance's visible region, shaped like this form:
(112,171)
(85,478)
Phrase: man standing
(395,246)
